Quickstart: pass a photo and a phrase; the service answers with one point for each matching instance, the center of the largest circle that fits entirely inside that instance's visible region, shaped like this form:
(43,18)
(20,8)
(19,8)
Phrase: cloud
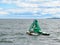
(1,8)
(10,1)
(30,3)
(3,13)
(51,4)
(20,10)
(51,11)
(31,7)
(17,10)
(5,1)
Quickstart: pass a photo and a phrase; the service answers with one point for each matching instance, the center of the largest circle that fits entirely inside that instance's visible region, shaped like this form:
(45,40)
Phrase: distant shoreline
(27,19)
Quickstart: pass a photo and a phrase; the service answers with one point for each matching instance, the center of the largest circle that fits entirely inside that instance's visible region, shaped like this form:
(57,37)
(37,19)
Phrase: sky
(29,9)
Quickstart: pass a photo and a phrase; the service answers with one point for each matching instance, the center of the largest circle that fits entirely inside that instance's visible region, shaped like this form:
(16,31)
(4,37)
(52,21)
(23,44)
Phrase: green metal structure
(35,27)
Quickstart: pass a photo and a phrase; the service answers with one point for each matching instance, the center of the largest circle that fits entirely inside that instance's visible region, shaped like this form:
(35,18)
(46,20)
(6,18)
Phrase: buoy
(35,29)
(32,34)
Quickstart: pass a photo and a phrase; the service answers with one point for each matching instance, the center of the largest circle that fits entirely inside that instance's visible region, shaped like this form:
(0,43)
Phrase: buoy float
(35,30)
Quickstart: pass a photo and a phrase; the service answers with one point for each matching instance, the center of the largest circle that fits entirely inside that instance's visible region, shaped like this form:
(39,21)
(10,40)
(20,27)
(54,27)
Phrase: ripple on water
(21,37)
(19,33)
(57,40)
(3,34)
(4,40)
(58,33)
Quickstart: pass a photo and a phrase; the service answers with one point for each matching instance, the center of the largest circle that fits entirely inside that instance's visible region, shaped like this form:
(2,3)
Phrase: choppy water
(13,32)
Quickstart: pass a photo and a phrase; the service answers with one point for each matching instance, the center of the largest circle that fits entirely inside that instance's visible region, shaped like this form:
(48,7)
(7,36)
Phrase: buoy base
(36,34)
(32,34)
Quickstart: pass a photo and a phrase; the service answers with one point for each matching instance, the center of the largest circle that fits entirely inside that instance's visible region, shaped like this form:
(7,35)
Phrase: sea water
(13,32)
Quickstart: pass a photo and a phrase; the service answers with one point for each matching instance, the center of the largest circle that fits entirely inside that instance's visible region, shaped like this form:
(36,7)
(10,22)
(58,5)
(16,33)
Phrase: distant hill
(54,18)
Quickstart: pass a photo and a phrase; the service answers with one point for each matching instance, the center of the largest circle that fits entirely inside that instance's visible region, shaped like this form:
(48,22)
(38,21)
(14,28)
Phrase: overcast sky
(29,8)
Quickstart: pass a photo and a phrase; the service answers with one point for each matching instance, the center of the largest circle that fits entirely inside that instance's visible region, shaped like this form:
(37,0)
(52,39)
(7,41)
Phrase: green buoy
(35,29)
